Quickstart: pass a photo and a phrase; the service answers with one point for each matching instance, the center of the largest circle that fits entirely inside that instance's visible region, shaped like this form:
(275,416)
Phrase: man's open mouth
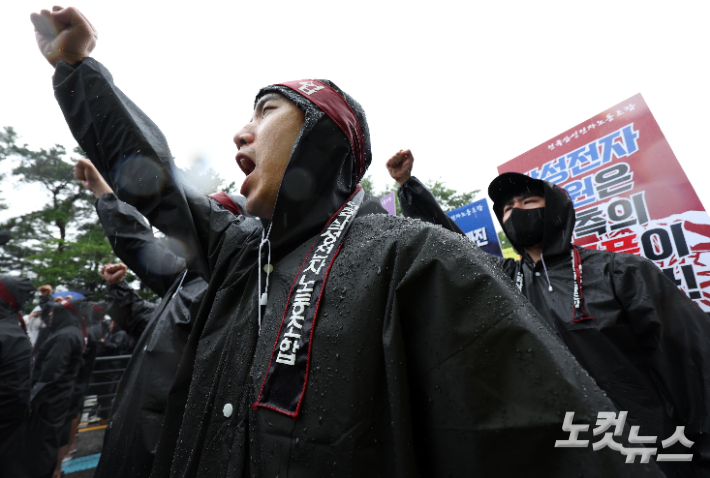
(245,163)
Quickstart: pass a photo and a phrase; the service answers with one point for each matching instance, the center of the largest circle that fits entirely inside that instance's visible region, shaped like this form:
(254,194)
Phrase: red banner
(630,193)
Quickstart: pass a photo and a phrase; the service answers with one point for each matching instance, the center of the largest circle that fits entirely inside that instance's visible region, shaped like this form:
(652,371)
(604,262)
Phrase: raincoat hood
(326,163)
(92,312)
(19,288)
(559,211)
(64,316)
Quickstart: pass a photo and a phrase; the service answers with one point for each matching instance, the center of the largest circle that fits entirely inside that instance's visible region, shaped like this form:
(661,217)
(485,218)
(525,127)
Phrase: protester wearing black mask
(646,343)
(641,338)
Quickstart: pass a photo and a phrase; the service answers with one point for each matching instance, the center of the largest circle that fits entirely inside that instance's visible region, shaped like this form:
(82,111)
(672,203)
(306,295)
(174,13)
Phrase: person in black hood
(646,344)
(643,340)
(424,360)
(15,364)
(92,314)
(56,367)
(131,439)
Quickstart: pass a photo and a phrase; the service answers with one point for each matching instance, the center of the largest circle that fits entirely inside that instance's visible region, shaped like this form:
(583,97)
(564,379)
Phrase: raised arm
(131,238)
(125,306)
(415,199)
(126,147)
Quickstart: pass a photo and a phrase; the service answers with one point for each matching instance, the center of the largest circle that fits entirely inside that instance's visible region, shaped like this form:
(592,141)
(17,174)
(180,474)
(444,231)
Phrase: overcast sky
(466,85)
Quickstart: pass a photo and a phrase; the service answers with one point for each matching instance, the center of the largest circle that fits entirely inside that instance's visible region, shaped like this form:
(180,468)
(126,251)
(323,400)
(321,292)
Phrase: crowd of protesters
(303,331)
(46,362)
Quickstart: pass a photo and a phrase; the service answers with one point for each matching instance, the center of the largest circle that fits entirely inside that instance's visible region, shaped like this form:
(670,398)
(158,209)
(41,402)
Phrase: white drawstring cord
(549,286)
(263,298)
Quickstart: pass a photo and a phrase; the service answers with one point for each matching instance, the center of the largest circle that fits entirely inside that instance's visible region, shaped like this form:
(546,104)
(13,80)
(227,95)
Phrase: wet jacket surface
(15,373)
(93,315)
(418,202)
(409,311)
(132,436)
(57,364)
(646,344)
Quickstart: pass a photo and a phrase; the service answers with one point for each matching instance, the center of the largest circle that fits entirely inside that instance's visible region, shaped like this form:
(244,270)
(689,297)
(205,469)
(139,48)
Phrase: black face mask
(524,227)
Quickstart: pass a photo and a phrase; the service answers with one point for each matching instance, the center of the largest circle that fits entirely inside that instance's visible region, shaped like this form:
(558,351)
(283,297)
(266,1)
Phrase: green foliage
(63,243)
(450,199)
(503,240)
(368,185)
(207,180)
(447,198)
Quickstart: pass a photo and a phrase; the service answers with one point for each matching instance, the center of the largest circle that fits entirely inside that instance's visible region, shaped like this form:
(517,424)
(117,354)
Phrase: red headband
(335,106)
(7,297)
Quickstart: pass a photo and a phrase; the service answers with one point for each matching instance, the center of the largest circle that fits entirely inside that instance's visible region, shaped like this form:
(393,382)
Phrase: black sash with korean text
(285,381)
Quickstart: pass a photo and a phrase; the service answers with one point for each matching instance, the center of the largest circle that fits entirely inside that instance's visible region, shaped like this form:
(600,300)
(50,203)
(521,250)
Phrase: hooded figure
(93,314)
(643,340)
(332,343)
(646,344)
(15,361)
(57,364)
(132,436)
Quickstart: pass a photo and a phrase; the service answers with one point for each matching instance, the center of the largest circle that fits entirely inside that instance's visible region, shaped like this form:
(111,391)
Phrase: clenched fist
(64,34)
(86,172)
(400,166)
(114,273)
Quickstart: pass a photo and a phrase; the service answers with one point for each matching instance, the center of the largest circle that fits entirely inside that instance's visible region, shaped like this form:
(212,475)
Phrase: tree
(207,180)
(503,240)
(447,198)
(62,243)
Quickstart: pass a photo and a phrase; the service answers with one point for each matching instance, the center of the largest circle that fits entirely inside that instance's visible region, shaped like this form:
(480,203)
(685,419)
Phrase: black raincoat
(139,407)
(646,344)
(56,368)
(425,360)
(643,340)
(93,314)
(15,364)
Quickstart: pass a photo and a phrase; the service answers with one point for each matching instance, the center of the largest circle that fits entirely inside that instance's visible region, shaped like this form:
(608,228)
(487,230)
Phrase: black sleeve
(676,334)
(134,243)
(456,315)
(418,202)
(15,362)
(57,360)
(132,154)
(128,309)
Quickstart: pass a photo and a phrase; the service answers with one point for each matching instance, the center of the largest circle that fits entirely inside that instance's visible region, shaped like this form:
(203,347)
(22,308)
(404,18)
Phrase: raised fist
(45,290)
(114,273)
(400,166)
(64,34)
(86,172)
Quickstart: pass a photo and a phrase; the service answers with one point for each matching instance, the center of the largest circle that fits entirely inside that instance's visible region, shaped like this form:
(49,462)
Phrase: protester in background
(57,364)
(646,343)
(643,340)
(413,365)
(415,199)
(45,298)
(113,342)
(15,370)
(92,314)
(34,324)
(131,439)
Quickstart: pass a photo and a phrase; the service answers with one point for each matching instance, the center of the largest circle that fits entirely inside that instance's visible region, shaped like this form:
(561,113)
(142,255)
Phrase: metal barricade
(96,405)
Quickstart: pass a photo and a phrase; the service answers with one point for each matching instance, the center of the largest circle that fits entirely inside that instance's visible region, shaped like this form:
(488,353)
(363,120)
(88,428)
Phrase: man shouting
(330,342)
